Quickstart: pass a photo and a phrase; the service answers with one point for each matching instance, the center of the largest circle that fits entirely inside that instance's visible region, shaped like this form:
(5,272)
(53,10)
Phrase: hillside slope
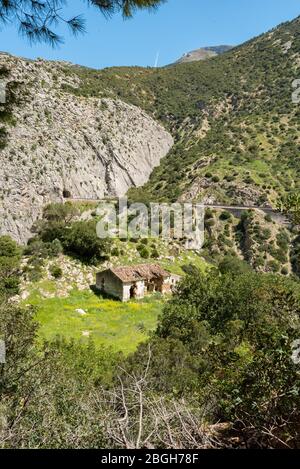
(232,117)
(54,144)
(235,128)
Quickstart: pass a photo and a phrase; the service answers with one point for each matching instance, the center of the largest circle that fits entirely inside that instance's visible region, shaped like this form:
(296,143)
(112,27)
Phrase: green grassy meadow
(121,326)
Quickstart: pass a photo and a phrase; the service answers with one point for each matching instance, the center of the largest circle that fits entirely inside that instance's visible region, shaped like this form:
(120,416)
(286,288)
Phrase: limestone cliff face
(59,144)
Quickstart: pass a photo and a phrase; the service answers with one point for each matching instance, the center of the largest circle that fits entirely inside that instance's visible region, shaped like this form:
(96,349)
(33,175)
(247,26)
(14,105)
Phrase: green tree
(60,227)
(35,18)
(233,265)
(58,212)
(8,247)
(81,240)
(56,218)
(233,336)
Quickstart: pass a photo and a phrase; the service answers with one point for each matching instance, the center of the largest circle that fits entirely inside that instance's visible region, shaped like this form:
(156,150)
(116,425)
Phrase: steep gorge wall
(58,143)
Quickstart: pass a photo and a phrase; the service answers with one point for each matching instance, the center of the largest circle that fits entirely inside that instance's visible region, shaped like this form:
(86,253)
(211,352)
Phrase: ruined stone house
(136,281)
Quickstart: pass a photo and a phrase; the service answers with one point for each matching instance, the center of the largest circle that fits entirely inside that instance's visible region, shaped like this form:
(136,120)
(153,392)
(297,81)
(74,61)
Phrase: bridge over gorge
(236,210)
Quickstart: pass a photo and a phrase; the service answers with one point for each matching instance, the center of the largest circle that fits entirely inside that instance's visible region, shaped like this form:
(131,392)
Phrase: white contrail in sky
(156,60)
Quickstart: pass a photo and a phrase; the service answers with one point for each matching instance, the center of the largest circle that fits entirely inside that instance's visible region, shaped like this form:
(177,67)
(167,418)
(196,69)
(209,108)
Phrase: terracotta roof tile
(139,272)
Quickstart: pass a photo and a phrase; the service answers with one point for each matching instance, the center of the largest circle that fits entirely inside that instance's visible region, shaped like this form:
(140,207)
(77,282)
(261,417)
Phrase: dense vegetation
(217,372)
(61,227)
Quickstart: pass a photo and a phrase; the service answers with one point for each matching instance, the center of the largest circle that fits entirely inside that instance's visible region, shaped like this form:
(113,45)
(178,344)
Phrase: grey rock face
(62,144)
(203,53)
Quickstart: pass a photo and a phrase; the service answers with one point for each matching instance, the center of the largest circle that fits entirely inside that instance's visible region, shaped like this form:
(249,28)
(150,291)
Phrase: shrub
(225,216)
(259,262)
(208,214)
(60,212)
(55,248)
(34,269)
(155,254)
(81,240)
(37,247)
(144,253)
(115,252)
(273,266)
(10,258)
(229,178)
(233,265)
(56,271)
(268,218)
(266,234)
(8,247)
(10,285)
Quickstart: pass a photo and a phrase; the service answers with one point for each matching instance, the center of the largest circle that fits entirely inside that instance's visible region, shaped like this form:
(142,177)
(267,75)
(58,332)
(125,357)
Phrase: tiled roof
(139,272)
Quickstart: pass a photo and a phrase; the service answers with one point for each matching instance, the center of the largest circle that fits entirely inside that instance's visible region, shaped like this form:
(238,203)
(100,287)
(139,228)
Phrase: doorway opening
(133,291)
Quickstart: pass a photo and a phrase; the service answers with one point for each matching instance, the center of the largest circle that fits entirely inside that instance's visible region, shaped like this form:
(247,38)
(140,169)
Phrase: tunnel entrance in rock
(67,194)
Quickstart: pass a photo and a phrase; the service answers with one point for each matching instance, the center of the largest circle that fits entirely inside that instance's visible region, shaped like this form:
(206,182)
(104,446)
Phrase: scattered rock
(24,295)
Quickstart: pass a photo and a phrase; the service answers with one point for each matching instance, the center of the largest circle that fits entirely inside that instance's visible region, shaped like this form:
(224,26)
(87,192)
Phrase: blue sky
(177,27)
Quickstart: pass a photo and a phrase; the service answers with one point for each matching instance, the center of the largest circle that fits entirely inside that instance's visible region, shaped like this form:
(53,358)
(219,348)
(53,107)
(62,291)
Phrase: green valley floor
(84,315)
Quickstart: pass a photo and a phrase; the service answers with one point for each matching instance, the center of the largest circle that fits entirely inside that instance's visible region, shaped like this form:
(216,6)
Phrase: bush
(265,234)
(225,216)
(259,262)
(144,253)
(34,269)
(155,254)
(273,266)
(37,247)
(229,178)
(56,271)
(233,265)
(236,343)
(115,252)
(57,212)
(55,248)
(8,247)
(209,214)
(81,240)
(268,218)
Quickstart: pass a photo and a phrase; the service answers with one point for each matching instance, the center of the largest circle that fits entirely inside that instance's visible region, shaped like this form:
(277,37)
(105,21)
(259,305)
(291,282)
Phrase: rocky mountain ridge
(203,53)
